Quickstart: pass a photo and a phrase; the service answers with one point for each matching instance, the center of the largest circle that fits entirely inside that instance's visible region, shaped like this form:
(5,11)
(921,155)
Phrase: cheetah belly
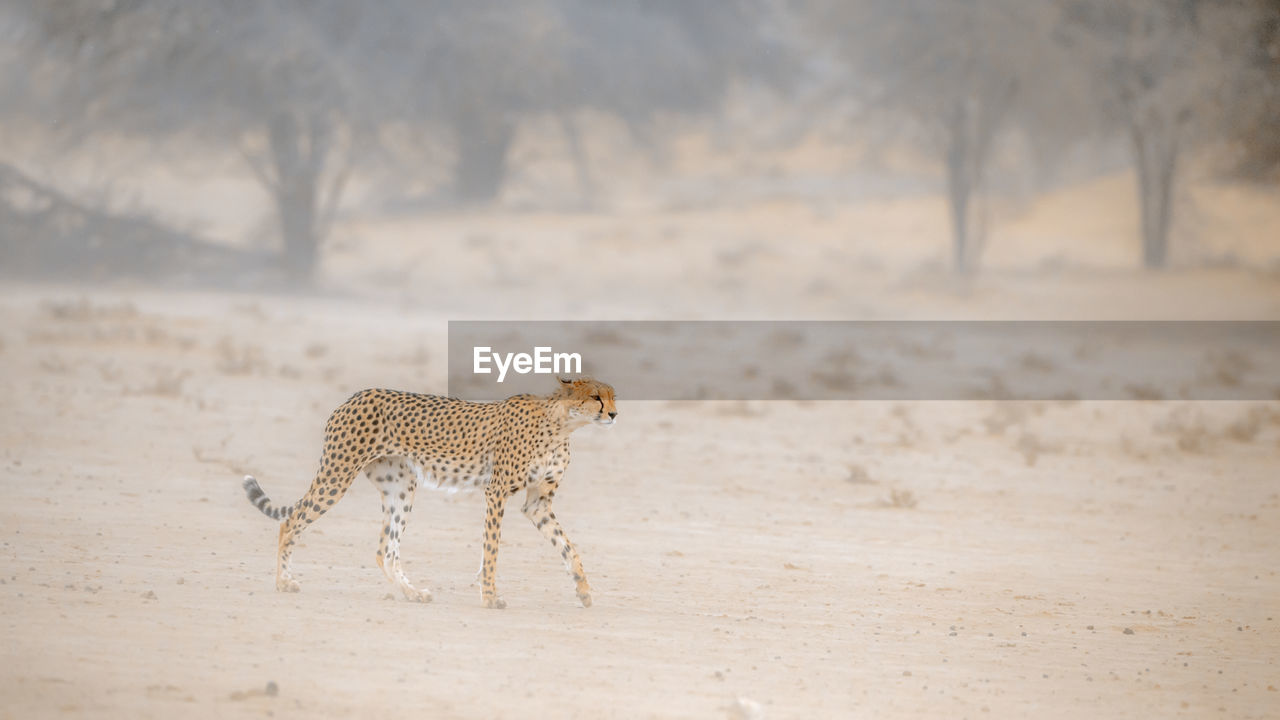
(438,474)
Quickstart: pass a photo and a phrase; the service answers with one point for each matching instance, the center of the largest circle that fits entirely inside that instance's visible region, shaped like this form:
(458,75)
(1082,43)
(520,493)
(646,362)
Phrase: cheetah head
(589,401)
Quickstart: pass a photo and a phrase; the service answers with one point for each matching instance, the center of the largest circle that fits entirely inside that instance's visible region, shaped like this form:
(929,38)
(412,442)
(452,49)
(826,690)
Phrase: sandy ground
(795,560)
(780,560)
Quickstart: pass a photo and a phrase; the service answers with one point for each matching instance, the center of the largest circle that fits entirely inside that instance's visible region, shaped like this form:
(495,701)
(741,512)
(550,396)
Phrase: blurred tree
(959,70)
(1256,127)
(479,67)
(495,63)
(1167,71)
(303,89)
(278,81)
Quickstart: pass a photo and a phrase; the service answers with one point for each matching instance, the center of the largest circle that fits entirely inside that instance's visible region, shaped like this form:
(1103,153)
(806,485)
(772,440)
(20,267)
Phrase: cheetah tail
(262,502)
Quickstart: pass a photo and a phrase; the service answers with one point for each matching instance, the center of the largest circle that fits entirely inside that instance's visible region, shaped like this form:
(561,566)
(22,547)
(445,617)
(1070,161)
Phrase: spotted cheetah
(402,440)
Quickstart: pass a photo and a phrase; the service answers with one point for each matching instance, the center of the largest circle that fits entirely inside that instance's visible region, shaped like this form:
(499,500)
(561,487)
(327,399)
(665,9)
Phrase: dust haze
(218,220)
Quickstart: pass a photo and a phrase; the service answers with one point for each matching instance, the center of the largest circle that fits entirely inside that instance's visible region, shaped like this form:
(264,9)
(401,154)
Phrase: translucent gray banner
(893,360)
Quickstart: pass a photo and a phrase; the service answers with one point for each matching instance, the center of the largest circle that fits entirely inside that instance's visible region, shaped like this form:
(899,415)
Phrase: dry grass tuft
(1005,415)
(1032,447)
(1247,427)
(901,499)
(1139,391)
(1189,430)
(82,310)
(1227,367)
(239,360)
(1032,362)
(164,382)
(858,475)
(54,365)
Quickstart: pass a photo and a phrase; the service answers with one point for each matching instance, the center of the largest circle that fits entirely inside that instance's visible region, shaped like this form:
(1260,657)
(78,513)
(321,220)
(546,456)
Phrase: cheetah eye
(596,398)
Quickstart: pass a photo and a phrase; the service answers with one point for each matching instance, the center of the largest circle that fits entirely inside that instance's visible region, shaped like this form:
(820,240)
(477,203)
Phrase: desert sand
(750,559)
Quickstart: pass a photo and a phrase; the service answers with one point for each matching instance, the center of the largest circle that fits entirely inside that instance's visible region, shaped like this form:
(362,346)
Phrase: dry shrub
(242,360)
(252,309)
(1140,391)
(1226,367)
(783,389)
(1032,447)
(909,433)
(858,475)
(836,381)
(109,372)
(1033,362)
(1188,428)
(1245,429)
(786,339)
(885,377)
(1129,447)
(995,389)
(164,382)
(902,499)
(54,364)
(737,408)
(604,336)
(1005,415)
(935,348)
(836,371)
(82,310)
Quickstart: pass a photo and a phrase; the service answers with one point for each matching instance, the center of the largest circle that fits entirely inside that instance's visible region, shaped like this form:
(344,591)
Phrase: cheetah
(403,440)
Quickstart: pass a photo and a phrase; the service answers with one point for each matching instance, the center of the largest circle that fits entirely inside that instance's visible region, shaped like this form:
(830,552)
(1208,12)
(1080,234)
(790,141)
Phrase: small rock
(272,689)
(149,595)
(744,708)
(906,673)
(181,581)
(1128,631)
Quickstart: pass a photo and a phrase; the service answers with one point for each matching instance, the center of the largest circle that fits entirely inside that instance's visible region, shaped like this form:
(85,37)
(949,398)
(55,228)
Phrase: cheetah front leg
(495,505)
(537,507)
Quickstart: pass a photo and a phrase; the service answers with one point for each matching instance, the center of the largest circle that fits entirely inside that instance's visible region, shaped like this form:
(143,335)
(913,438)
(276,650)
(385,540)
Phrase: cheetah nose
(613,414)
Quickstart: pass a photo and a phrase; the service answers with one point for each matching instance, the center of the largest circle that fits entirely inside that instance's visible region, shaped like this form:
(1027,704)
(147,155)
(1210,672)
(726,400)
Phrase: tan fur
(401,439)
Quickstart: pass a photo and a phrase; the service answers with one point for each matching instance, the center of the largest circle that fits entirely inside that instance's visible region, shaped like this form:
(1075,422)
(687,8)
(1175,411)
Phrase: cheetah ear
(565,380)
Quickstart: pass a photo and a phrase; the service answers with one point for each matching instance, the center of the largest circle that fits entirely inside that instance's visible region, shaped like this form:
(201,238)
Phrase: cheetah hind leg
(397,479)
(329,486)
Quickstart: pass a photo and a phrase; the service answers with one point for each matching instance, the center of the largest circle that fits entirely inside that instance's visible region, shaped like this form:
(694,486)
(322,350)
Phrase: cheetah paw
(585,599)
(495,603)
(288,585)
(416,595)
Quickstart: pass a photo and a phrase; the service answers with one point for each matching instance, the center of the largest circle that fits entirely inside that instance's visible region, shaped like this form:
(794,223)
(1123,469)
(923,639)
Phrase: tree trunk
(483,139)
(1156,158)
(581,166)
(298,153)
(959,188)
